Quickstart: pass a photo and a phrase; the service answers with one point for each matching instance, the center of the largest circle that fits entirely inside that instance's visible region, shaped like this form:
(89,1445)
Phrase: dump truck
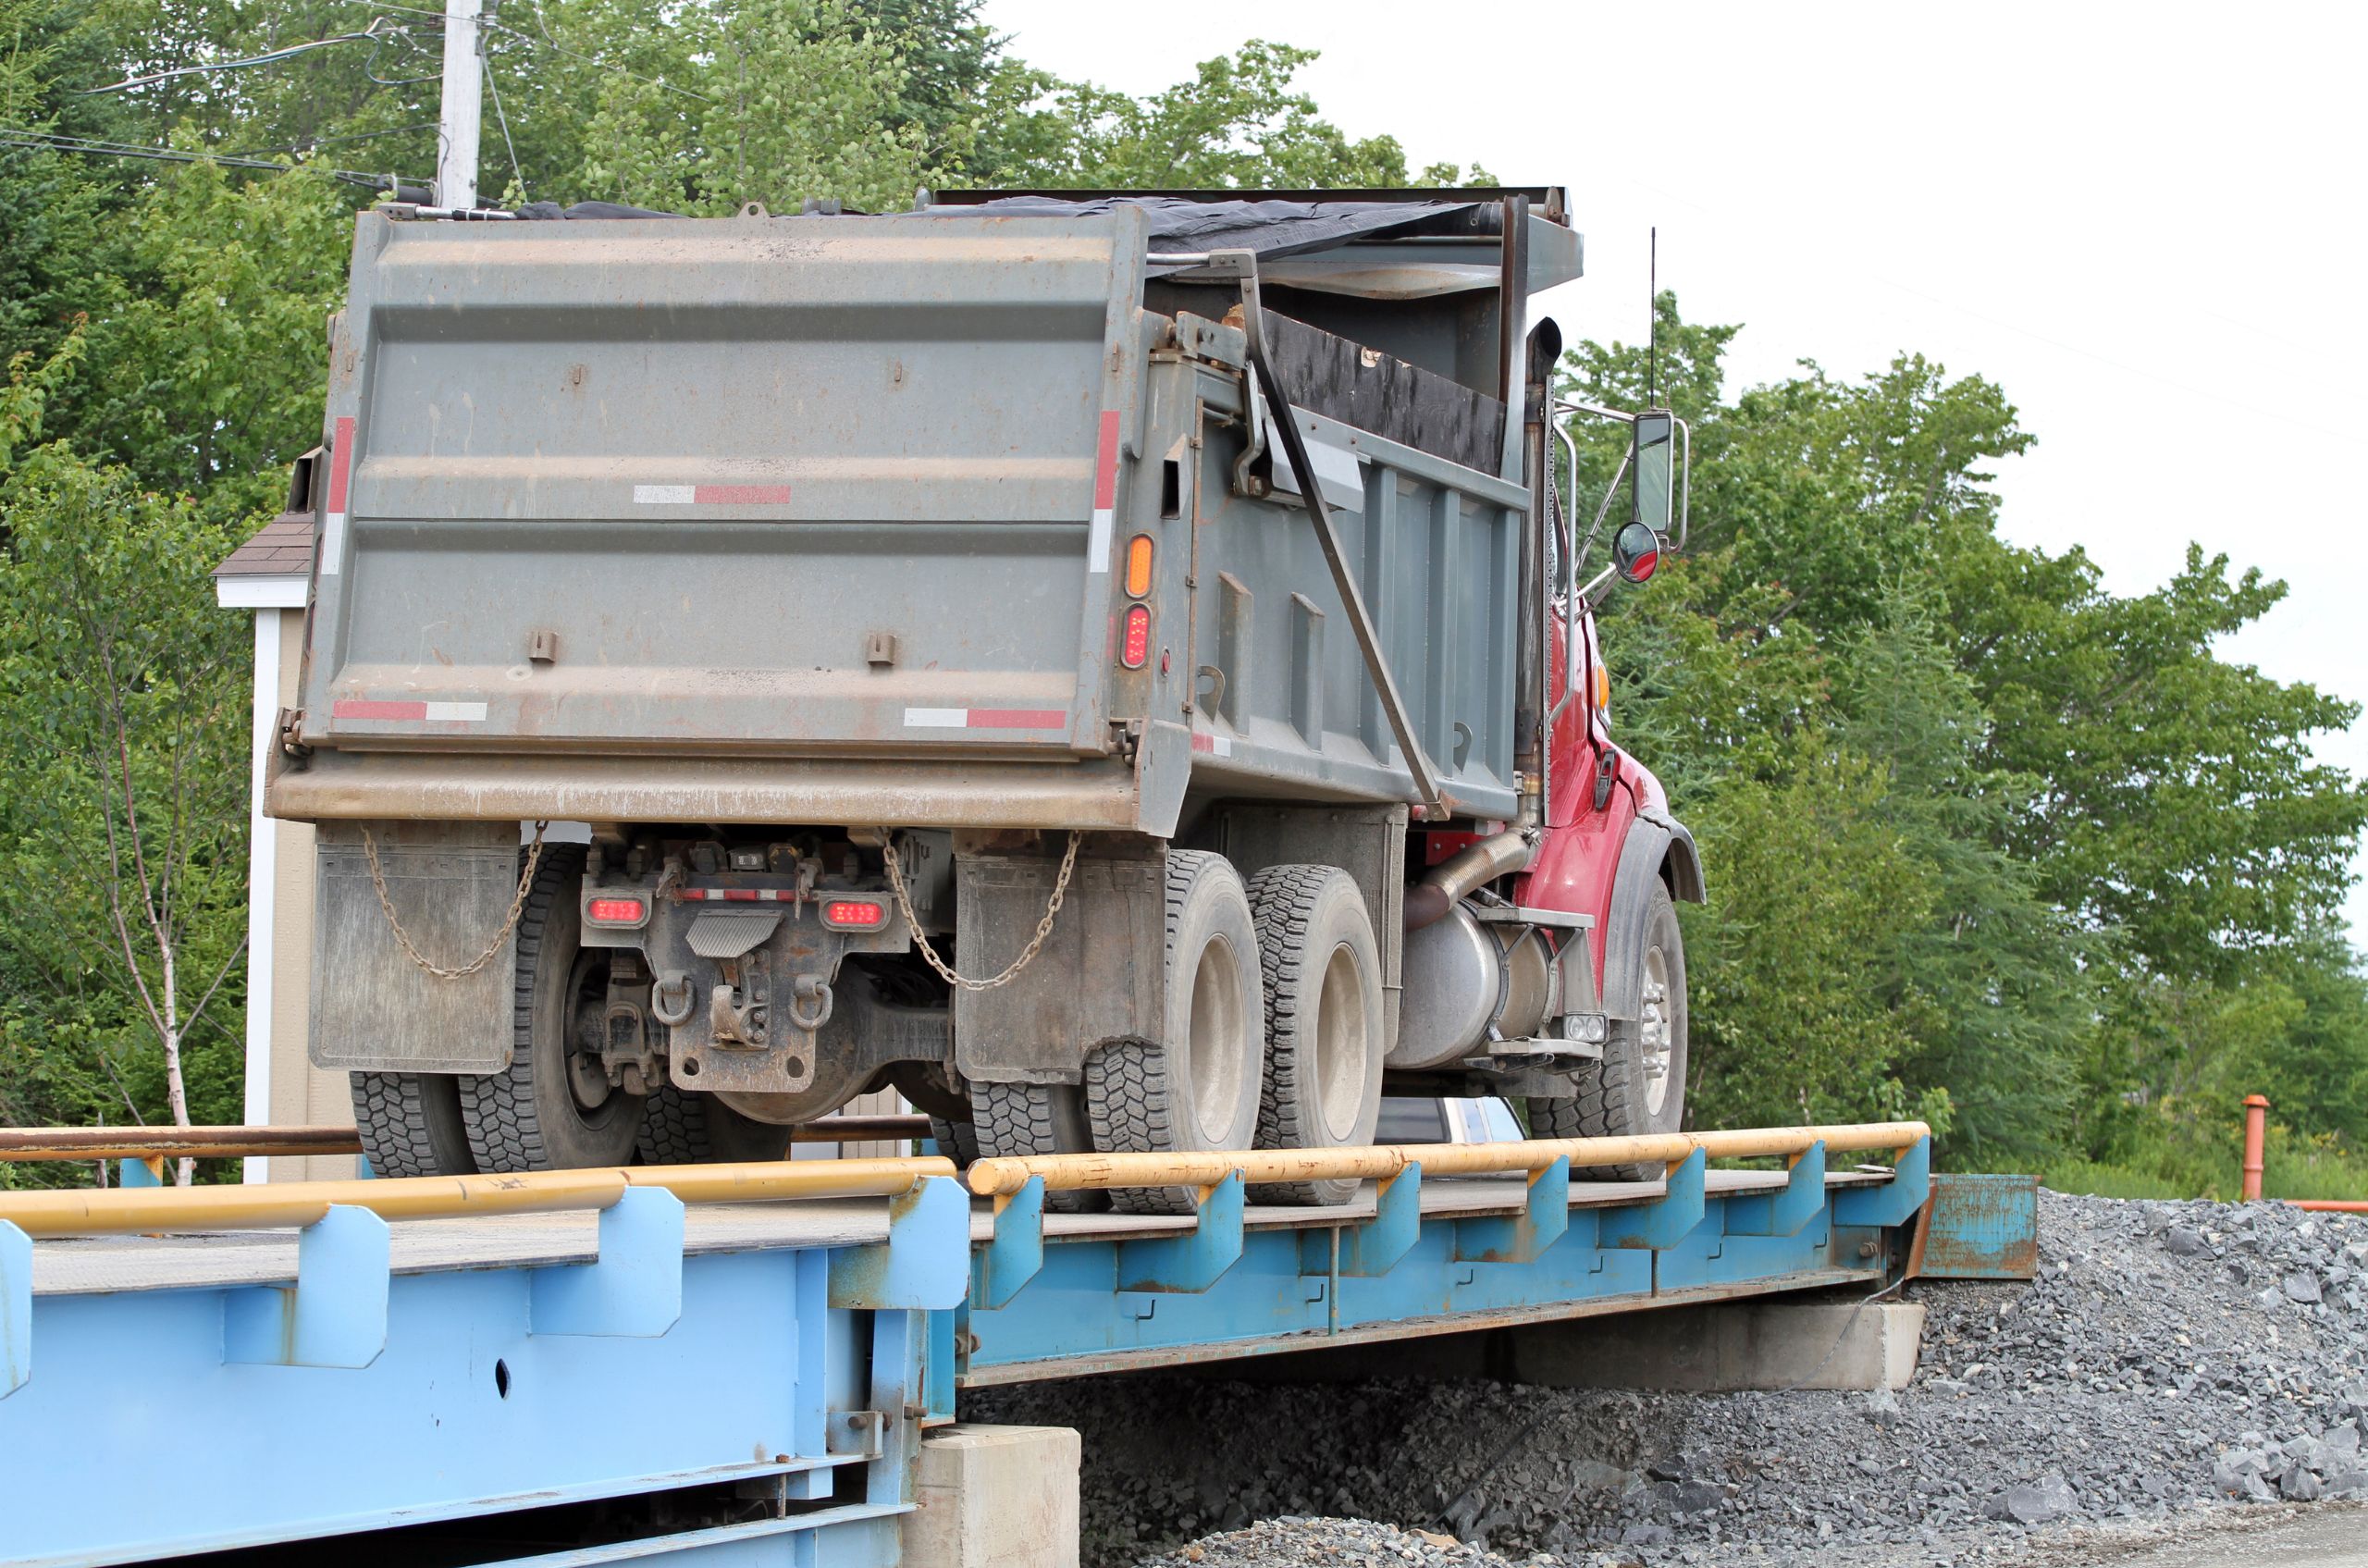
(1118,669)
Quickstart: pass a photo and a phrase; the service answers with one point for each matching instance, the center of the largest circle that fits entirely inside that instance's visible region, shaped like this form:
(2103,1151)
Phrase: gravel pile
(2172,1358)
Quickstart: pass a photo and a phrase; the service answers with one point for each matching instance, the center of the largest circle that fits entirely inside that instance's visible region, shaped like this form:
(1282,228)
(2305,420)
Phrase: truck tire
(1197,1089)
(1014,1120)
(1625,1095)
(1321,969)
(539,1115)
(958,1140)
(683,1126)
(411,1123)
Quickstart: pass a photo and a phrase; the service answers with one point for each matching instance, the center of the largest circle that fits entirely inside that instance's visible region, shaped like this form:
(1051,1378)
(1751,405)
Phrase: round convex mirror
(1636,550)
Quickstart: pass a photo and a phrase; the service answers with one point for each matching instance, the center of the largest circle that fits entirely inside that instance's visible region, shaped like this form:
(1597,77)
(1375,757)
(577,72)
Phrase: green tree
(123,694)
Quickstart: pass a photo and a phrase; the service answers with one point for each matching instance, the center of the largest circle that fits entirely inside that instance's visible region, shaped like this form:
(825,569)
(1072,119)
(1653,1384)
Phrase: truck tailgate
(744,486)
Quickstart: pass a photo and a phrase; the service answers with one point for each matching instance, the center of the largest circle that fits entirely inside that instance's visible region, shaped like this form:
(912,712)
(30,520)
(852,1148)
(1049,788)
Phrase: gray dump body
(825,520)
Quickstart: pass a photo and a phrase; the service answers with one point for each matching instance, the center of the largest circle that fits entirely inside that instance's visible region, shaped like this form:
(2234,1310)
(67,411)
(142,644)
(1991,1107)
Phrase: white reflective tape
(1097,540)
(664,495)
(937,718)
(1221,745)
(332,543)
(469,712)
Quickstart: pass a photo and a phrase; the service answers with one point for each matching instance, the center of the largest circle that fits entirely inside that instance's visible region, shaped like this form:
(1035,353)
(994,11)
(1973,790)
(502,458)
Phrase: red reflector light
(854,914)
(615,911)
(1135,647)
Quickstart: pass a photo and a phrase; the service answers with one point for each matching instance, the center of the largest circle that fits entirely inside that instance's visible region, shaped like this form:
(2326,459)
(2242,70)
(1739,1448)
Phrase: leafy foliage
(1987,843)
(1983,836)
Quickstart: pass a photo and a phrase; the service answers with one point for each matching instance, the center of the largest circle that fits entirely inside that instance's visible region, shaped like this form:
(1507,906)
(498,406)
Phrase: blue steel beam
(475,1406)
(1376,1246)
(1398,1273)
(1661,1223)
(1191,1261)
(1519,1238)
(335,1314)
(1783,1214)
(16,1308)
(1016,1251)
(635,1291)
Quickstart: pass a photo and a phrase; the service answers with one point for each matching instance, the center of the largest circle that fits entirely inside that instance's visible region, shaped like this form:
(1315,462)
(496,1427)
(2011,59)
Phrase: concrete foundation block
(994,1497)
(1725,1347)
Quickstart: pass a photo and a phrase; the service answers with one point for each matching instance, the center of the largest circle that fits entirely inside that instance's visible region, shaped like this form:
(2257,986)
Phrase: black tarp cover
(1271,229)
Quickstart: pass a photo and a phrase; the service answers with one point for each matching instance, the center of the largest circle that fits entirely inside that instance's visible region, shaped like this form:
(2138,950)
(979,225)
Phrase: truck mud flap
(373,1008)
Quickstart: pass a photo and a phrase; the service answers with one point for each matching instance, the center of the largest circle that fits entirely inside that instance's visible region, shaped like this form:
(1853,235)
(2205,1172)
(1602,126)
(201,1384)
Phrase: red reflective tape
(1105,463)
(739,495)
(365,709)
(1019,719)
(341,464)
(1203,743)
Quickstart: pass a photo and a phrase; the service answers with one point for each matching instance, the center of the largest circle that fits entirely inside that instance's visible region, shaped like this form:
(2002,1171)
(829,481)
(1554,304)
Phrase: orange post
(2256,1127)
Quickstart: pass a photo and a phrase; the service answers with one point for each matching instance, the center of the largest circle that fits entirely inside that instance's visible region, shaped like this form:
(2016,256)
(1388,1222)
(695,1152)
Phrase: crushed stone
(2173,1361)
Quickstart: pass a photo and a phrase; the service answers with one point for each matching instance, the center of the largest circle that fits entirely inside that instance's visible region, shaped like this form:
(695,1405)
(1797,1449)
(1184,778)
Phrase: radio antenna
(1652,318)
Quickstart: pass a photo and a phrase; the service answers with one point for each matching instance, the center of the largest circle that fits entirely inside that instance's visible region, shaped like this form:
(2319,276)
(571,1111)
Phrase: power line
(38,141)
(503,120)
(369,35)
(548,41)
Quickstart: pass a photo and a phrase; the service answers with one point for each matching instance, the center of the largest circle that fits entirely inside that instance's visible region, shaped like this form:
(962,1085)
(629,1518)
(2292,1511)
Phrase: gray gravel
(2172,1360)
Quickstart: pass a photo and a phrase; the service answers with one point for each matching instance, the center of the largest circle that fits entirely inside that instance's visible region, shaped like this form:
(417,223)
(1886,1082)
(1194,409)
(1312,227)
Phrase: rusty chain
(509,923)
(1026,954)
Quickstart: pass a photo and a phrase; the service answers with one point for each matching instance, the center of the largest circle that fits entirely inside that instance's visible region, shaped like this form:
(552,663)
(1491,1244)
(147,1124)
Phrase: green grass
(2089,1178)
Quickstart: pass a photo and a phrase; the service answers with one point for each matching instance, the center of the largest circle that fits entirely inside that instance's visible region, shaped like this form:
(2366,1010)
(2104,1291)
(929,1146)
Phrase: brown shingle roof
(283,547)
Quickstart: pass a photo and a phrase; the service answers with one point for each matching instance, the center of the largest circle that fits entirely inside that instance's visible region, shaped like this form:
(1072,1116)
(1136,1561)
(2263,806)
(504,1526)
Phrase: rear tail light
(616,911)
(1135,646)
(854,914)
(1139,566)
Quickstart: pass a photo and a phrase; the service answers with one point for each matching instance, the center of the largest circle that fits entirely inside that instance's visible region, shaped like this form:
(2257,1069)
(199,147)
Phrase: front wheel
(553,1108)
(1639,1086)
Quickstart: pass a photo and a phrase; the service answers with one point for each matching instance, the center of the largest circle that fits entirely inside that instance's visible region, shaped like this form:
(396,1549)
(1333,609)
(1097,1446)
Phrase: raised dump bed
(594,1365)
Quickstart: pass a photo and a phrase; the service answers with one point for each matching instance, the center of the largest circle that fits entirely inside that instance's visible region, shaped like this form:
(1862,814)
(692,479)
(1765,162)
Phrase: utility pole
(456,141)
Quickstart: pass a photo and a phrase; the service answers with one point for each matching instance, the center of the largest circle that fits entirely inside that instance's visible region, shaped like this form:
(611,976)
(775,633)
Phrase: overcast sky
(2145,222)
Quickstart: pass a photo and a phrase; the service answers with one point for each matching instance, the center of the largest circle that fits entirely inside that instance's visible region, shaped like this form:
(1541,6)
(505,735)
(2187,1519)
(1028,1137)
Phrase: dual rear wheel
(554,1108)
(1273,1038)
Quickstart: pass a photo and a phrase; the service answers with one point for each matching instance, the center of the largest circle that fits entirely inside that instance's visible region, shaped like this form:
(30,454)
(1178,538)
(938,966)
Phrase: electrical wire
(548,41)
(502,119)
(369,35)
(38,141)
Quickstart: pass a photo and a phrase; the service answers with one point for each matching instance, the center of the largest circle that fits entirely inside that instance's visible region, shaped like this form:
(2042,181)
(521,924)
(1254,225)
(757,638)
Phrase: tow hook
(670,999)
(810,992)
(1607,768)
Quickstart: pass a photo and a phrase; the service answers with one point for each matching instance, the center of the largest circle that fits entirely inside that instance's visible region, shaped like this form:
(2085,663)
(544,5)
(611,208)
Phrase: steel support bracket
(16,1308)
(1374,1247)
(1190,1263)
(336,1313)
(635,1291)
(1520,1238)
(1784,1213)
(1895,1202)
(923,1265)
(1666,1220)
(1015,1253)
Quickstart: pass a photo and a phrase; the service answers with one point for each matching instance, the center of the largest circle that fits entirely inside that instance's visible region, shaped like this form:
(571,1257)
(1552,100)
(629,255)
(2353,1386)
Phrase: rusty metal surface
(1980,1228)
(203,1142)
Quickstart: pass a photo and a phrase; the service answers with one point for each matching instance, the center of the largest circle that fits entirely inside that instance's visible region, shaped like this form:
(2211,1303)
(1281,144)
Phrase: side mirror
(1652,459)
(1635,551)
